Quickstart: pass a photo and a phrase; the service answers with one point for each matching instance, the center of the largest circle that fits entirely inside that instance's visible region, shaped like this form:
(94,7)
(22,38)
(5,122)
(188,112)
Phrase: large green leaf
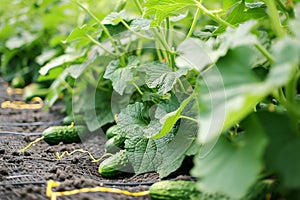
(282,155)
(243,12)
(76,34)
(114,18)
(234,163)
(133,114)
(56,88)
(163,155)
(161,76)
(61,61)
(140,24)
(25,38)
(165,8)
(120,76)
(97,109)
(170,119)
(230,90)
(228,3)
(197,54)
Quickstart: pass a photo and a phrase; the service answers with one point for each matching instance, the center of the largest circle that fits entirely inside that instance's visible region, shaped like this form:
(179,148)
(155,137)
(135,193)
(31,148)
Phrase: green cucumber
(78,120)
(112,131)
(66,134)
(184,190)
(115,165)
(169,189)
(114,144)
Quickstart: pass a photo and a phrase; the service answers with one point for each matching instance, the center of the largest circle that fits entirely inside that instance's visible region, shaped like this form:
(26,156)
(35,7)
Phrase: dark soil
(24,175)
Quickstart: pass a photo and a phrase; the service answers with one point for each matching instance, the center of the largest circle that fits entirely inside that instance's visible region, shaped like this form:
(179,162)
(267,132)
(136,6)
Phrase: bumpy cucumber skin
(182,190)
(111,132)
(114,144)
(110,147)
(56,134)
(115,165)
(78,120)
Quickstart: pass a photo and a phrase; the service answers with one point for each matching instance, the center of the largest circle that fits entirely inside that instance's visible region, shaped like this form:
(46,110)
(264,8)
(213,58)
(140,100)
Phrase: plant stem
(163,42)
(282,6)
(137,88)
(139,48)
(291,108)
(181,86)
(264,51)
(274,17)
(101,25)
(133,31)
(168,25)
(291,87)
(99,44)
(188,118)
(193,24)
(139,6)
(158,52)
(211,15)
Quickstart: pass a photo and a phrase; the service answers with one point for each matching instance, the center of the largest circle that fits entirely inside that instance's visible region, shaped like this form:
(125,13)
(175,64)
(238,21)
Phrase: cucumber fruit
(78,120)
(111,147)
(56,134)
(179,190)
(184,190)
(112,131)
(115,144)
(115,165)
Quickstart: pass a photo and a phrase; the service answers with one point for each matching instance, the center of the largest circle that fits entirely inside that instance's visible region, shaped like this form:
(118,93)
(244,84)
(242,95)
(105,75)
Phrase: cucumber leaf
(197,54)
(227,4)
(62,60)
(120,76)
(161,76)
(230,90)
(140,24)
(234,163)
(114,18)
(282,151)
(170,119)
(243,12)
(165,8)
(163,155)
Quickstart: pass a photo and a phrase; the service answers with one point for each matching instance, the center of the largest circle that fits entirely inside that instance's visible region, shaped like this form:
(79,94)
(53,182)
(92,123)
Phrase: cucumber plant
(189,78)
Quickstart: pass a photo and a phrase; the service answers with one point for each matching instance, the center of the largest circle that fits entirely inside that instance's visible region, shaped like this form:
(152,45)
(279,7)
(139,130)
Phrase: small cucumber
(184,190)
(56,134)
(78,120)
(115,165)
(115,144)
(112,131)
(179,190)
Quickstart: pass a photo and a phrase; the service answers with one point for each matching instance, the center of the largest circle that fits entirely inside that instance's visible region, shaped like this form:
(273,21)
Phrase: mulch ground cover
(25,175)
